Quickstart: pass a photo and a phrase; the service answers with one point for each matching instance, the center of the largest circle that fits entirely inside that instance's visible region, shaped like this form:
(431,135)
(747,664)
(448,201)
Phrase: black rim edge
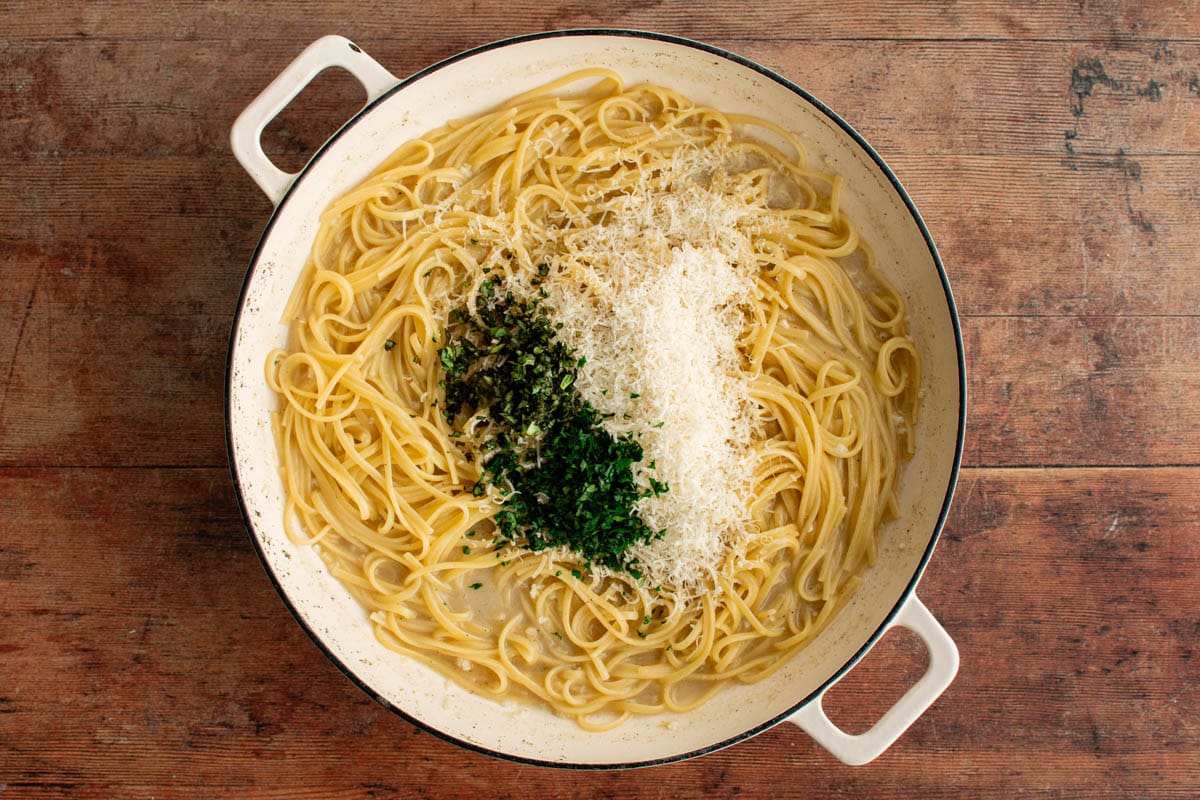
(950,305)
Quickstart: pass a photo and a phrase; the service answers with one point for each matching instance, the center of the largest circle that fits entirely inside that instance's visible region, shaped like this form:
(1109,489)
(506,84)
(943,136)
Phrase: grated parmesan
(654,298)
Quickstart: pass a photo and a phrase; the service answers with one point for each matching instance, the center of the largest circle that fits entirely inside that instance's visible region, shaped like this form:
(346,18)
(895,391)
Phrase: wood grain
(1052,148)
(1077,236)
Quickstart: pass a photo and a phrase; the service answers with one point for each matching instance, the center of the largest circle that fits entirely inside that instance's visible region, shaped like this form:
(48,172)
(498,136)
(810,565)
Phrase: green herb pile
(563,478)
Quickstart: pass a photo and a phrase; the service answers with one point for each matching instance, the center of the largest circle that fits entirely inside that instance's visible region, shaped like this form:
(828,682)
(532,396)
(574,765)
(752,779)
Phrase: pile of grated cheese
(655,299)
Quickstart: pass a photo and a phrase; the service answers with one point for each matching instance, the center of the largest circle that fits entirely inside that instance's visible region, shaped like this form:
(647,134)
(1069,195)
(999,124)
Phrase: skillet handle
(943,664)
(326,52)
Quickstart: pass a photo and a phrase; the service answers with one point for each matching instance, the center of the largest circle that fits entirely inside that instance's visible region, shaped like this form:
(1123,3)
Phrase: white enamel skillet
(472,82)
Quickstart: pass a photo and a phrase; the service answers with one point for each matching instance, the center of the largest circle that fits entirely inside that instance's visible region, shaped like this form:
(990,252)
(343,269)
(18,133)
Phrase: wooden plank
(1082,391)
(17,303)
(1078,235)
(973,97)
(169,666)
(474,23)
(126,388)
(137,235)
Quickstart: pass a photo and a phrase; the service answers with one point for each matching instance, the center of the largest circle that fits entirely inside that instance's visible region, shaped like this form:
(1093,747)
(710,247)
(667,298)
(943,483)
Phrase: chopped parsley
(476,585)
(564,479)
(389,344)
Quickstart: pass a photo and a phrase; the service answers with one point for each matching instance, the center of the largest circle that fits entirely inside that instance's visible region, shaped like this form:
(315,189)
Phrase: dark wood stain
(1053,149)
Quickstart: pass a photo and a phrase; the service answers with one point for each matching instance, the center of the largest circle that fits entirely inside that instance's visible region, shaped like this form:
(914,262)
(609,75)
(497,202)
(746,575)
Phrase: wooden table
(1054,149)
